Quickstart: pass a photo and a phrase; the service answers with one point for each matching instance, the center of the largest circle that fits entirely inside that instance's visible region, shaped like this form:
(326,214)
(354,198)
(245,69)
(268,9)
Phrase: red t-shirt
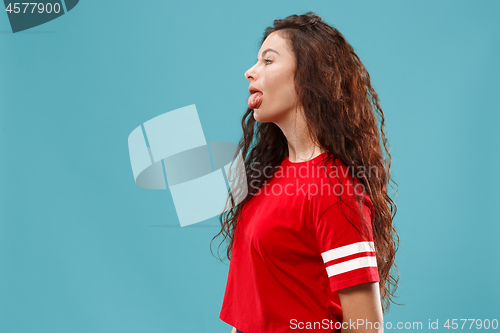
(293,249)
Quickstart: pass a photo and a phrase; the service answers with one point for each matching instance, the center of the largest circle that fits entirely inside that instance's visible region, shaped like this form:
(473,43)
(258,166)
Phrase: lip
(252,90)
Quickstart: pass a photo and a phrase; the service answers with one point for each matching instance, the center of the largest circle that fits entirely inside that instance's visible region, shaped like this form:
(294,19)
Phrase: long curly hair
(341,109)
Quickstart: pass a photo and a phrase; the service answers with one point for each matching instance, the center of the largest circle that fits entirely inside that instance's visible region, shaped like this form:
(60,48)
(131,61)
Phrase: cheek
(281,86)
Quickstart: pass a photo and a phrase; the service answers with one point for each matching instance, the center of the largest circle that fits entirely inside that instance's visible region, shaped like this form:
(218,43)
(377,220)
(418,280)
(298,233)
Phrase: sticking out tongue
(254,100)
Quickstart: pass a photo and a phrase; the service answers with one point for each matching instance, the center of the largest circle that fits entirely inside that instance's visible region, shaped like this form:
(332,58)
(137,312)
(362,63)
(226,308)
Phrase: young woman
(313,243)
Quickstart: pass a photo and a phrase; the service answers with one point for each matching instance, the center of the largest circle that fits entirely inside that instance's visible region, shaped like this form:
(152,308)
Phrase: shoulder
(338,183)
(332,173)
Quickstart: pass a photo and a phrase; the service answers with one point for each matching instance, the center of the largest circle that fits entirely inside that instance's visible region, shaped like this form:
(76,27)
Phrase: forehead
(275,41)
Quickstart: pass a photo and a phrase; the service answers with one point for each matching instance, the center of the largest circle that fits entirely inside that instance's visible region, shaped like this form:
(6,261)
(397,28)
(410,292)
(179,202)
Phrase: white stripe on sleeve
(348,250)
(350,265)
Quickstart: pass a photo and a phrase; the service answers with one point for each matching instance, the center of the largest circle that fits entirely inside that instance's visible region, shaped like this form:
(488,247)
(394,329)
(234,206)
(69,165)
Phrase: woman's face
(273,76)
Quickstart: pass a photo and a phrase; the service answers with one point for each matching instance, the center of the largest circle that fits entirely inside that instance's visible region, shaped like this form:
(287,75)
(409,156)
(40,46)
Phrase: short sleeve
(345,241)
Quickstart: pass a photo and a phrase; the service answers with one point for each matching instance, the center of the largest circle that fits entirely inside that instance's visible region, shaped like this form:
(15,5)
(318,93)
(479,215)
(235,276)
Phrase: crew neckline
(314,159)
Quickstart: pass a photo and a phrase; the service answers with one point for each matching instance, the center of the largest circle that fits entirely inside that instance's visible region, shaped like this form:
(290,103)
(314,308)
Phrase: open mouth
(255,98)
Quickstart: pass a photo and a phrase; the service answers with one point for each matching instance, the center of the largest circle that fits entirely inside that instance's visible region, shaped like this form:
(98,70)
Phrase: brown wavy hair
(341,109)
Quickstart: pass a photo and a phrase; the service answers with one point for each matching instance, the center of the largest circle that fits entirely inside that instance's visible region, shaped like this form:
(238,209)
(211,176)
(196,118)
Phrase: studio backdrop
(102,104)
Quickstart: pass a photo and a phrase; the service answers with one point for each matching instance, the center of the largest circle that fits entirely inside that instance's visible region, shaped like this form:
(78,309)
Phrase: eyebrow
(265,51)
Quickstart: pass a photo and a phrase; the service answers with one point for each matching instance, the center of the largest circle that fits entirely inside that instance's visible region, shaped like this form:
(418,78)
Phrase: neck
(301,147)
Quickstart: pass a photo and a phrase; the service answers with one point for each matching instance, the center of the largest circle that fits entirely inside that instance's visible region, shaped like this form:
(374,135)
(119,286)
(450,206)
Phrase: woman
(312,244)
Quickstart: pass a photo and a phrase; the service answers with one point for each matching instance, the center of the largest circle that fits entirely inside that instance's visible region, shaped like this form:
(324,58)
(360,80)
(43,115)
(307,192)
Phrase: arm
(234,330)
(361,304)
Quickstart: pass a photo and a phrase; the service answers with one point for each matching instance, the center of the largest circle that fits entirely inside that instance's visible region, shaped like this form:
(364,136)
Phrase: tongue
(254,100)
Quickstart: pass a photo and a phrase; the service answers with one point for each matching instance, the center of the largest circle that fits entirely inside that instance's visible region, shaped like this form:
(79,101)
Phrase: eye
(267,60)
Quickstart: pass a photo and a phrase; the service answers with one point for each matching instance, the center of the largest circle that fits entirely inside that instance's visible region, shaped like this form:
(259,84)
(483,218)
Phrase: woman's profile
(312,245)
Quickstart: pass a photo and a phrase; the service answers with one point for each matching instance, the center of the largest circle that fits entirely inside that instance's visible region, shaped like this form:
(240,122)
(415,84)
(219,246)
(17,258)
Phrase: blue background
(84,249)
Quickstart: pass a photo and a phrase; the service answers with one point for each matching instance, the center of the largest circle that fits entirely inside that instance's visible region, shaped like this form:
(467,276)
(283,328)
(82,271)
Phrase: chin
(267,116)
(258,117)
(255,116)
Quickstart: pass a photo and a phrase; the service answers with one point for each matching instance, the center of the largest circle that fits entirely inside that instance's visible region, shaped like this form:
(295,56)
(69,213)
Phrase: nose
(250,74)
